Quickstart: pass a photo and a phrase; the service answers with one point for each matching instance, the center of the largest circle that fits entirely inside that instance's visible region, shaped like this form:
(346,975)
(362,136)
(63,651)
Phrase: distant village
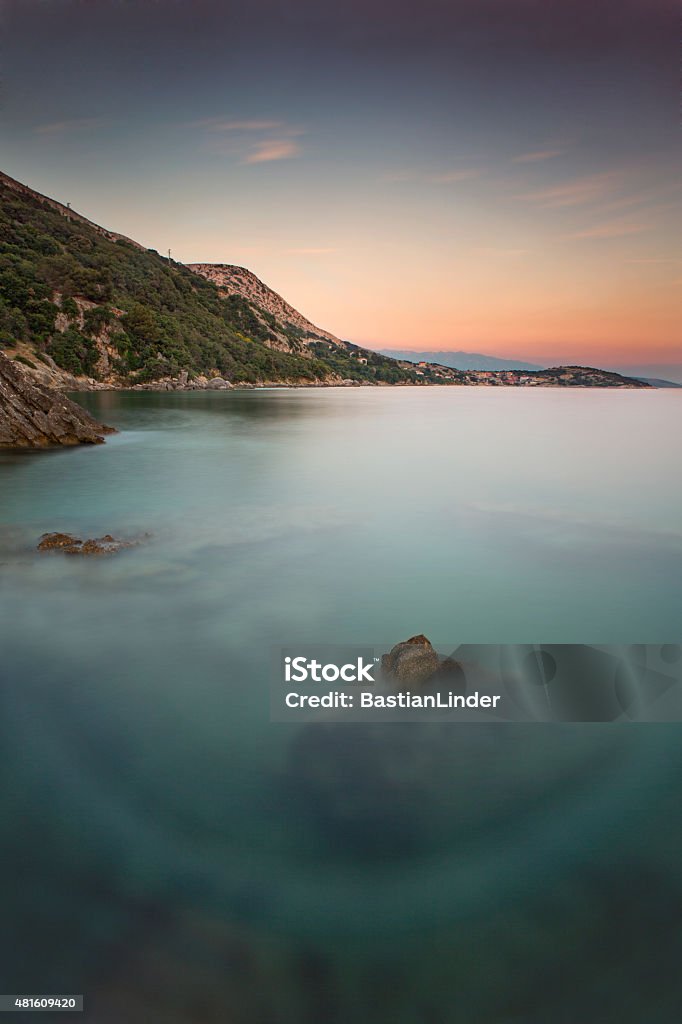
(557,376)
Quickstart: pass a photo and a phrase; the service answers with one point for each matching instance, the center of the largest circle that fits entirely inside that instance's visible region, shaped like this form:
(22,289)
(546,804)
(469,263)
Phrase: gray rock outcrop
(35,416)
(410,662)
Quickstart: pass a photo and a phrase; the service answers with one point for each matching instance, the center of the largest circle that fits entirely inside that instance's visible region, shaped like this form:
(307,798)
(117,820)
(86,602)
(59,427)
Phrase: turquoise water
(477,514)
(238,870)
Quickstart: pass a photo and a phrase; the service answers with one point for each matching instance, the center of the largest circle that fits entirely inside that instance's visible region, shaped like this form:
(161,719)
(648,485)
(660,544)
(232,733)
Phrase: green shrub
(97,318)
(70,308)
(74,352)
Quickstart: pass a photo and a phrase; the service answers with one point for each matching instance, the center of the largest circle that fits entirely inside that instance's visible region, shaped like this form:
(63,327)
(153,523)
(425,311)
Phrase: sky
(499,176)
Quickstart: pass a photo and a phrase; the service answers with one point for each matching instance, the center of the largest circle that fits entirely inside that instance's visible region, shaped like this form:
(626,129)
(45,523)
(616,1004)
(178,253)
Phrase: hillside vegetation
(102,306)
(80,300)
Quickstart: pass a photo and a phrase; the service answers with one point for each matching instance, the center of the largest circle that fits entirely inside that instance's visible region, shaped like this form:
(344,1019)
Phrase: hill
(77,299)
(461,360)
(284,329)
(83,306)
(272,308)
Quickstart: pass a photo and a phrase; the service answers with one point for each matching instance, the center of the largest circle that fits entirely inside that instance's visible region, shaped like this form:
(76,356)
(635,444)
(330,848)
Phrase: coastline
(170,386)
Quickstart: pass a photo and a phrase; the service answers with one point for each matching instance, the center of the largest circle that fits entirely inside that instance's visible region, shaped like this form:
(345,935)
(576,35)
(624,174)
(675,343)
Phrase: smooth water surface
(157,813)
(484,515)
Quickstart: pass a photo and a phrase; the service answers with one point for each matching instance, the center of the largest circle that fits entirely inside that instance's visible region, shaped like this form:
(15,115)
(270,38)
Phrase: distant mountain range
(656,382)
(660,374)
(461,360)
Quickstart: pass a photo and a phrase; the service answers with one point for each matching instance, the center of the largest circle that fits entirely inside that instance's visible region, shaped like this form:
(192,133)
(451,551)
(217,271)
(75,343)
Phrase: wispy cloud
(610,229)
(398,175)
(221,124)
(495,251)
(536,154)
(578,192)
(76,124)
(310,251)
(431,178)
(651,261)
(277,139)
(452,177)
(272,149)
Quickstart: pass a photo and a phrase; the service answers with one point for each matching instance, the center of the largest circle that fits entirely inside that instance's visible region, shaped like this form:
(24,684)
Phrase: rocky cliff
(233,280)
(34,416)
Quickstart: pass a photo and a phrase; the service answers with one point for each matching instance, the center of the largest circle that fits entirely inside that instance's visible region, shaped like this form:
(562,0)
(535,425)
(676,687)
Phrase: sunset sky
(491,175)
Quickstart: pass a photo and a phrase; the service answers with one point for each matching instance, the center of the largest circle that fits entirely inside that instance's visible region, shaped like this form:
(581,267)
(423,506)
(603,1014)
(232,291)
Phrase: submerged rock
(35,416)
(70,545)
(366,789)
(410,662)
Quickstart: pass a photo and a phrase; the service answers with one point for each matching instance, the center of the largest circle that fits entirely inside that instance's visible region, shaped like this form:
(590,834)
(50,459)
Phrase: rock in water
(58,542)
(413,661)
(35,416)
(70,545)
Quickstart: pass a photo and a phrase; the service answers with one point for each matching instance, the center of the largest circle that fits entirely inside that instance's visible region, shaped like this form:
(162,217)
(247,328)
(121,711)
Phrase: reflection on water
(205,865)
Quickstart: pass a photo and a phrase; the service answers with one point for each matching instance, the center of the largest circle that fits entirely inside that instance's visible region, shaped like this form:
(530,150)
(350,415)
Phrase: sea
(173,855)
